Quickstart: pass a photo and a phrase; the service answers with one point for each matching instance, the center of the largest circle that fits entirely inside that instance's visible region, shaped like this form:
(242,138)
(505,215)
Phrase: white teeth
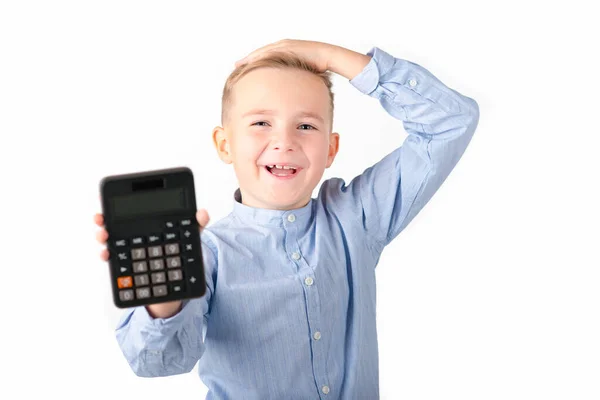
(281,166)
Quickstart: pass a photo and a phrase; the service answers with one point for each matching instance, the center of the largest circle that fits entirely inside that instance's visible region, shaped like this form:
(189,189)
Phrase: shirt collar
(299,217)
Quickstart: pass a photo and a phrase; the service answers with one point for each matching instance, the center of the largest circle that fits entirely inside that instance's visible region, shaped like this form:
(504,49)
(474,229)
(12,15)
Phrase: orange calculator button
(124,282)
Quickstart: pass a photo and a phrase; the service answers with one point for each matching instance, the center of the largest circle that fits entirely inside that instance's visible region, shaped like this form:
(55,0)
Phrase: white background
(492,292)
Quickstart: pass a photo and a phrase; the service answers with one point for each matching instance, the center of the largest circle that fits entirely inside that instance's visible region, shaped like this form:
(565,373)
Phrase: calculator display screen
(138,204)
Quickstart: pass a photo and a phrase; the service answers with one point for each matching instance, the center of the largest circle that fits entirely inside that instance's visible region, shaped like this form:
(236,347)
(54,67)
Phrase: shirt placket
(310,285)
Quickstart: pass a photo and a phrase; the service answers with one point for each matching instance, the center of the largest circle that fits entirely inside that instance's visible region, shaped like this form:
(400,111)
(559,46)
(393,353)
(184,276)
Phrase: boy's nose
(283,141)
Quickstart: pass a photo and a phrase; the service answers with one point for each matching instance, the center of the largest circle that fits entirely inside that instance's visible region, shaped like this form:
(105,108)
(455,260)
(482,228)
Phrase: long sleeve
(168,346)
(440,123)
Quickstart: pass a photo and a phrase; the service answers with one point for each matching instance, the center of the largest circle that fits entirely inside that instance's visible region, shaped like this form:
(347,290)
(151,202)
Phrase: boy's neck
(239,197)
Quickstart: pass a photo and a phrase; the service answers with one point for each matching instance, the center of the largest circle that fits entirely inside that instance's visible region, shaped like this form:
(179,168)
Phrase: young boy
(289,311)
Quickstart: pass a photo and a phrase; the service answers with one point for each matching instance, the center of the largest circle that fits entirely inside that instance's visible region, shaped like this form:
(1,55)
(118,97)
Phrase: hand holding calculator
(152,236)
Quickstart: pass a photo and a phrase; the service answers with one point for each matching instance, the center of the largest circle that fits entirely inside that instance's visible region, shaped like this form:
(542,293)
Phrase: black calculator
(155,255)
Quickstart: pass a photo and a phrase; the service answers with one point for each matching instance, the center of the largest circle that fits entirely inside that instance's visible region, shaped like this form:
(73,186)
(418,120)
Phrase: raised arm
(440,123)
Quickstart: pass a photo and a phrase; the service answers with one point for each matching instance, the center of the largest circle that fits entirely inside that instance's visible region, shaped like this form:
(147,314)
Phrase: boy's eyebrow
(262,111)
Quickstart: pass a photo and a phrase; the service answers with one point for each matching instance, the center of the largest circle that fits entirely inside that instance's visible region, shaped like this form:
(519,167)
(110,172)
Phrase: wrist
(330,54)
(345,62)
(164,310)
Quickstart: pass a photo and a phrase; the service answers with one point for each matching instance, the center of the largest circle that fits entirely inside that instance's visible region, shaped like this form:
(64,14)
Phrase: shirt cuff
(368,79)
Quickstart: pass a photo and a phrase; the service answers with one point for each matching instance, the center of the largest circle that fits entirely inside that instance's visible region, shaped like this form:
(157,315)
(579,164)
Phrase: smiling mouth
(281,170)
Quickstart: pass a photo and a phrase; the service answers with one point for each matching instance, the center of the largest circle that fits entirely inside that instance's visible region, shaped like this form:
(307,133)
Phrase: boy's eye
(259,122)
(310,126)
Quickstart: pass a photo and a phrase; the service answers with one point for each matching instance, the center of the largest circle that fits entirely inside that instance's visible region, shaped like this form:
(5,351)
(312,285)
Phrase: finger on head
(255,53)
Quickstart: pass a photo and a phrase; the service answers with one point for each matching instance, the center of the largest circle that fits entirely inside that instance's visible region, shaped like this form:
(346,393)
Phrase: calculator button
(120,243)
(175,275)
(140,266)
(160,290)
(153,238)
(122,256)
(141,280)
(143,293)
(137,240)
(188,247)
(155,251)
(172,248)
(187,233)
(177,288)
(171,236)
(185,222)
(158,277)
(123,269)
(169,224)
(157,264)
(138,254)
(173,262)
(124,282)
(126,295)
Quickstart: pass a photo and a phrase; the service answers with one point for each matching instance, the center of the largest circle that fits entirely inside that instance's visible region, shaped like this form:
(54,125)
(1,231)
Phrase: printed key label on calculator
(154,238)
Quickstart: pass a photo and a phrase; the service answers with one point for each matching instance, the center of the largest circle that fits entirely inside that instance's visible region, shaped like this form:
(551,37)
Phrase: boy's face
(278,117)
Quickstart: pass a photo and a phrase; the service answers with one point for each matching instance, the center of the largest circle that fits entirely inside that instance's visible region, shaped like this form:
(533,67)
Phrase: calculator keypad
(152,265)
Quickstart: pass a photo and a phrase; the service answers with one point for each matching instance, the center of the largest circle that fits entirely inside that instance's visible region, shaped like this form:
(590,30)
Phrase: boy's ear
(221,142)
(334,145)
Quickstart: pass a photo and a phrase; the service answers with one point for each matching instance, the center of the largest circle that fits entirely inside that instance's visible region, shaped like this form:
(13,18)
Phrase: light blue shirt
(290,306)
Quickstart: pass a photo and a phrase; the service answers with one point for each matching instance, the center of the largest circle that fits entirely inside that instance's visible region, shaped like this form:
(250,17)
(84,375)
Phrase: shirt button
(317,335)
(295,256)
(325,389)
(291,217)
(412,83)
(308,281)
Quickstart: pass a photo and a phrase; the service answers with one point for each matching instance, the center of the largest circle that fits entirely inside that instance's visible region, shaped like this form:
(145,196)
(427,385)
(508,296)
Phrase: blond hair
(273,60)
